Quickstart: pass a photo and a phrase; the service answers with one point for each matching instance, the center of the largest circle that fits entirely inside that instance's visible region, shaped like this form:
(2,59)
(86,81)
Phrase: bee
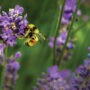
(32,35)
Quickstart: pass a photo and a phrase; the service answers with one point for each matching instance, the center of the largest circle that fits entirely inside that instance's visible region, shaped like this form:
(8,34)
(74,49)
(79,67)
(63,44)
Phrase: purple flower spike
(80,80)
(65,73)
(18,55)
(60,41)
(11,41)
(52,81)
(53,72)
(69,10)
(12,67)
(19,9)
(13,25)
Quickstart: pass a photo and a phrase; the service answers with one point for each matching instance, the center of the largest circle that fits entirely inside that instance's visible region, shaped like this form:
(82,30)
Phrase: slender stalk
(69,32)
(57,30)
(4,68)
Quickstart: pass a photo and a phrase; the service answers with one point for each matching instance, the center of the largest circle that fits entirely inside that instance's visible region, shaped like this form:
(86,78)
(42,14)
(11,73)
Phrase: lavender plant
(53,80)
(14,25)
(11,68)
(60,41)
(81,78)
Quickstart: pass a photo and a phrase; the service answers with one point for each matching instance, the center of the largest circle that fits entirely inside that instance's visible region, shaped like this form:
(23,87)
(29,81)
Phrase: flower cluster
(53,80)
(60,41)
(13,25)
(12,66)
(81,78)
(69,9)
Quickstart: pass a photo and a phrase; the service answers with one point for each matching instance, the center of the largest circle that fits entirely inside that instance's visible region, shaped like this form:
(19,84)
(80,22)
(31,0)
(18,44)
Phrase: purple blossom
(79,13)
(53,72)
(81,78)
(52,81)
(12,66)
(51,42)
(69,9)
(18,55)
(13,25)
(65,74)
(11,41)
(60,41)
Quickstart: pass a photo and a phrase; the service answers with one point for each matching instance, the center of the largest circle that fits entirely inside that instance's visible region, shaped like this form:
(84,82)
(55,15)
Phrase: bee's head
(30,26)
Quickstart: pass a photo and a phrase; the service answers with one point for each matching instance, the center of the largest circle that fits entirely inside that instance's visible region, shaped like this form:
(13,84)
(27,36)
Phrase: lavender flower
(52,81)
(81,78)
(2,47)
(69,9)
(13,25)
(60,41)
(12,66)
(18,55)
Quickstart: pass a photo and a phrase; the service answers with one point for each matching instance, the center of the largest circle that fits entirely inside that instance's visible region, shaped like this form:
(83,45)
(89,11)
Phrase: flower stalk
(57,30)
(68,36)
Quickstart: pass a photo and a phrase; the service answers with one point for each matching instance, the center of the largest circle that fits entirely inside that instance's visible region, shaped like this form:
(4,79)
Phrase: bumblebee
(32,35)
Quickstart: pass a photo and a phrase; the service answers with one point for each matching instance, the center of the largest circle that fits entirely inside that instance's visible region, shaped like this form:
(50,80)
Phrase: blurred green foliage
(36,59)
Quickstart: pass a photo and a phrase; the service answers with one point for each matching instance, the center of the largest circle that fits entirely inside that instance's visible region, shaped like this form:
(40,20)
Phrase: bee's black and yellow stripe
(31,30)
(32,35)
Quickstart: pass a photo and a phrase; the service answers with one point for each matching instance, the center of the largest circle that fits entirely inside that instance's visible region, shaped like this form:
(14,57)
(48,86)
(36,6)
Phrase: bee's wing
(42,36)
(39,35)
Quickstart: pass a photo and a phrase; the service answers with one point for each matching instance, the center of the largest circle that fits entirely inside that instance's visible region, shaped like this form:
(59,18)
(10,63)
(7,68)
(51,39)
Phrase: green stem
(69,32)
(57,30)
(4,68)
